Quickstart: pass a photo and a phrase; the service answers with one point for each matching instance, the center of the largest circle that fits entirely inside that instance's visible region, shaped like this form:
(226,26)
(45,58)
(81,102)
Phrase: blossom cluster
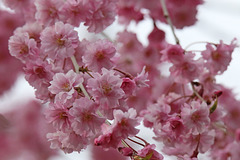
(99,90)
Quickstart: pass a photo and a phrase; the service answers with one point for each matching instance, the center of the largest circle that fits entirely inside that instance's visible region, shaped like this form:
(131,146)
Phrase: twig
(76,66)
(166,15)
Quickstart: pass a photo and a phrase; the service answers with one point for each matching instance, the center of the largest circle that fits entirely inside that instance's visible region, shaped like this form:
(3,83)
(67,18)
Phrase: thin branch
(196,93)
(76,66)
(166,15)
(136,142)
(199,42)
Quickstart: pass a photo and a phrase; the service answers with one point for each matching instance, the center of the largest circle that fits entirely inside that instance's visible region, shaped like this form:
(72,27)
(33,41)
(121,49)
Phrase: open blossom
(195,116)
(186,70)
(22,47)
(103,14)
(38,72)
(85,120)
(67,141)
(59,41)
(218,59)
(173,54)
(106,89)
(75,11)
(123,126)
(98,54)
(48,11)
(63,84)
(33,29)
(141,78)
(58,114)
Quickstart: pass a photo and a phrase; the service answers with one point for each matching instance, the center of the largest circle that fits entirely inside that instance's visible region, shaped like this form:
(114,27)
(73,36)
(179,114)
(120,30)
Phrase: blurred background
(217,20)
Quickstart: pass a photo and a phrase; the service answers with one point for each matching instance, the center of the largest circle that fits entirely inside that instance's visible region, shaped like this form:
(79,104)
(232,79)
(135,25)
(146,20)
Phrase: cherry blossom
(59,41)
(98,55)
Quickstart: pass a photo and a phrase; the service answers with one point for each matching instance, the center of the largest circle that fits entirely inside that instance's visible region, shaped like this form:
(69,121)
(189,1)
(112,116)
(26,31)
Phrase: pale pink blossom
(106,89)
(33,29)
(85,120)
(173,54)
(123,126)
(206,141)
(58,114)
(219,57)
(48,11)
(59,41)
(187,69)
(37,72)
(128,86)
(196,116)
(98,54)
(63,85)
(125,122)
(22,47)
(67,141)
(141,79)
(103,14)
(76,11)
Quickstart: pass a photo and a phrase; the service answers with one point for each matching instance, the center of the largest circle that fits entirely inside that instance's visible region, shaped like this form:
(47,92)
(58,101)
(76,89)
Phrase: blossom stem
(199,42)
(146,143)
(180,98)
(196,93)
(124,73)
(136,142)
(169,21)
(76,66)
(127,145)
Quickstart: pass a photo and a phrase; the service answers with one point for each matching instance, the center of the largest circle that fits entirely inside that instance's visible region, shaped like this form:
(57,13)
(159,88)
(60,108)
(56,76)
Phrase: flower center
(63,115)
(24,50)
(106,88)
(66,87)
(60,42)
(40,72)
(215,55)
(100,55)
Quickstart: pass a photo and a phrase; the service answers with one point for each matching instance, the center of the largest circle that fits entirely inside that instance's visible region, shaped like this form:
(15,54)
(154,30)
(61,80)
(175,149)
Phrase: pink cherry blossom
(187,69)
(98,55)
(59,41)
(128,86)
(195,116)
(22,47)
(58,114)
(123,126)
(75,11)
(48,11)
(63,85)
(68,142)
(85,120)
(141,78)
(38,72)
(106,89)
(173,54)
(218,59)
(103,14)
